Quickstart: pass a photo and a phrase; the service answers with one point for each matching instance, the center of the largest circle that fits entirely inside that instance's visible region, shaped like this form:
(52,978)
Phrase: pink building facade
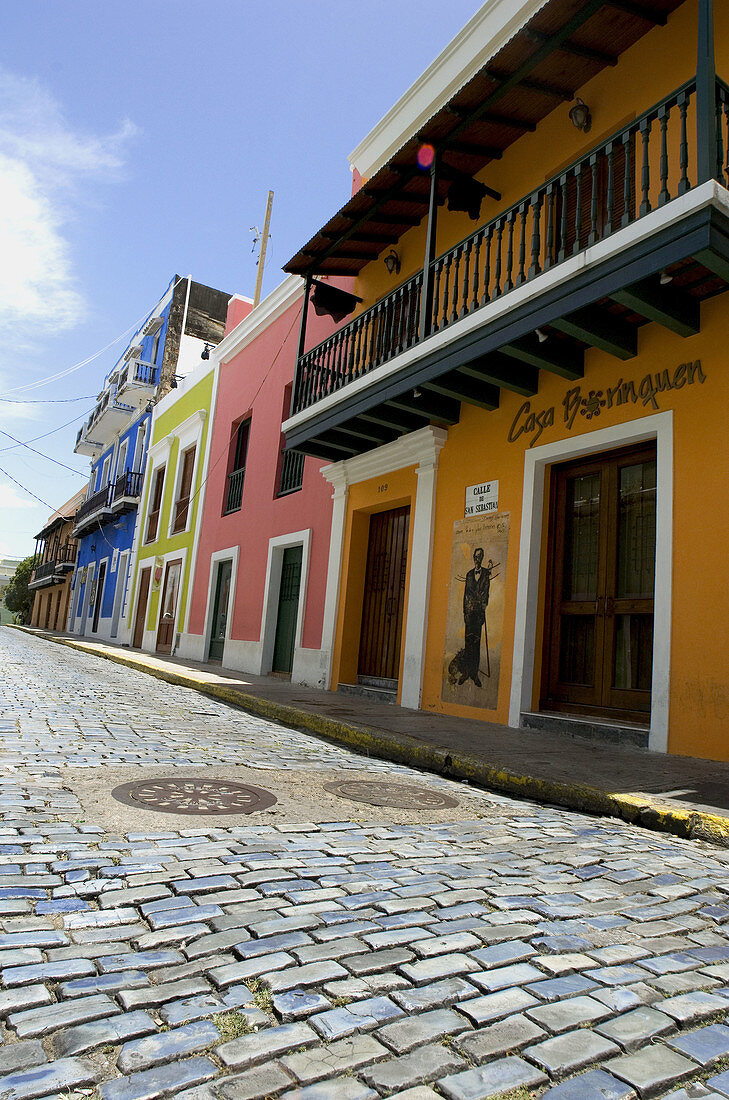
(260,575)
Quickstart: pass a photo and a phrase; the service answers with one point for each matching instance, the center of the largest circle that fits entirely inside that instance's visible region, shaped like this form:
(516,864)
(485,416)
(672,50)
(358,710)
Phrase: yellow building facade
(524,410)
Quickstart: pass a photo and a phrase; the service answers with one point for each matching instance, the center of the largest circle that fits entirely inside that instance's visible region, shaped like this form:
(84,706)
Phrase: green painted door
(220,611)
(288,610)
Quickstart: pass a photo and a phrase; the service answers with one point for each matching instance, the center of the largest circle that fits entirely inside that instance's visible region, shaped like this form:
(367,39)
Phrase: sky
(139,140)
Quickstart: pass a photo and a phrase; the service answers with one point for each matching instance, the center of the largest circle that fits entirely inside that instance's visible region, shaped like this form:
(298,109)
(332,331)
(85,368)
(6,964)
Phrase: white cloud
(46,168)
(11,498)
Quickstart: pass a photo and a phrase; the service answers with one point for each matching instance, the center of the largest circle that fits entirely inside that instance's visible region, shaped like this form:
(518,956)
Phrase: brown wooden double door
(599,637)
(384,596)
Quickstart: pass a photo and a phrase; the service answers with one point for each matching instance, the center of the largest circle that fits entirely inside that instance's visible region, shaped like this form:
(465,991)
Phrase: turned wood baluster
(456,269)
(521,276)
(562,254)
(497,268)
(627,180)
(593,234)
(536,203)
(645,181)
(549,249)
(476,269)
(436,295)
(578,210)
(466,272)
(683,153)
(486,296)
(664,195)
(509,283)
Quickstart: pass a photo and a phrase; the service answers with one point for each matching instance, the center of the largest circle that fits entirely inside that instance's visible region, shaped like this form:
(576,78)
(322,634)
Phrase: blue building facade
(187,320)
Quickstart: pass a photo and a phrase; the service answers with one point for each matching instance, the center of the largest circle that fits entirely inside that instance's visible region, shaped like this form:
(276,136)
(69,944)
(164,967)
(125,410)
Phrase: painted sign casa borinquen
(475,621)
(529,423)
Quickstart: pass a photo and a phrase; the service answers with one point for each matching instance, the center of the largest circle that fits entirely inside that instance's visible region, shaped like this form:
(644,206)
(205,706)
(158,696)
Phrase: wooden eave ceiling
(544,65)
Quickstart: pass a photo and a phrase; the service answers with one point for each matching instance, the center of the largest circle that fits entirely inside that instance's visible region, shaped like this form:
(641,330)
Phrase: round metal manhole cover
(396,796)
(193,796)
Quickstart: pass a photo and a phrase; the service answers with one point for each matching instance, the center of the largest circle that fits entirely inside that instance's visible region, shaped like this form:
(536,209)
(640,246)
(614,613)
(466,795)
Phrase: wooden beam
(473,149)
(601,330)
(427,405)
(573,48)
(504,372)
(657,18)
(370,433)
(320,450)
(394,418)
(397,219)
(340,440)
(462,388)
(670,307)
(369,238)
(556,356)
(507,120)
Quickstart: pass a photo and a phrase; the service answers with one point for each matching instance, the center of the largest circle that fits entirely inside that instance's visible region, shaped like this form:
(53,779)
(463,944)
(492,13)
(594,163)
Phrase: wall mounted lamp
(541,335)
(205,353)
(581,117)
(666,278)
(392,262)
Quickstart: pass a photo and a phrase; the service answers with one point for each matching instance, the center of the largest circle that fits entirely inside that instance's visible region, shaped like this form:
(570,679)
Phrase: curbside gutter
(401,748)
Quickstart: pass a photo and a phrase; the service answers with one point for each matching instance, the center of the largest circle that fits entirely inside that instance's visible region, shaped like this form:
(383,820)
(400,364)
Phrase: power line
(44,400)
(84,362)
(79,473)
(44,435)
(28,491)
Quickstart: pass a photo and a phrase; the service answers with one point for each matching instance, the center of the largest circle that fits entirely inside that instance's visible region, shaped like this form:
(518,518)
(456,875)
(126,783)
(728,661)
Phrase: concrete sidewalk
(677,794)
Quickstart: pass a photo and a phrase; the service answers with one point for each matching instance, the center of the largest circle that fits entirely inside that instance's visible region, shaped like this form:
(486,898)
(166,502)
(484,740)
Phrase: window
(139,448)
(121,461)
(155,347)
(237,466)
(105,472)
(153,519)
(182,504)
(290,474)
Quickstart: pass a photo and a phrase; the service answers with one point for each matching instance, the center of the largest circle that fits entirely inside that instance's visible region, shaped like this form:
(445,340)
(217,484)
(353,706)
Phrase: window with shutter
(182,504)
(153,518)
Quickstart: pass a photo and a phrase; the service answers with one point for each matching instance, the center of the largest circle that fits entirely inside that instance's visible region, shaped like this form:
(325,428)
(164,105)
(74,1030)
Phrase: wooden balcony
(54,570)
(621,237)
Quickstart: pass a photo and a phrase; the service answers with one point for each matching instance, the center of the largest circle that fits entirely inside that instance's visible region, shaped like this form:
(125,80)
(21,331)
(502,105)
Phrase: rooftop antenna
(262,253)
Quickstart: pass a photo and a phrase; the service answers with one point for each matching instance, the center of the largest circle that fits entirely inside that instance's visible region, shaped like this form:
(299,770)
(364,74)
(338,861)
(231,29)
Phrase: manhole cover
(395,795)
(194,796)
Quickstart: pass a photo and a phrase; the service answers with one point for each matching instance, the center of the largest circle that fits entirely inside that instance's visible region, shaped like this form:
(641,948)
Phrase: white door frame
(658,427)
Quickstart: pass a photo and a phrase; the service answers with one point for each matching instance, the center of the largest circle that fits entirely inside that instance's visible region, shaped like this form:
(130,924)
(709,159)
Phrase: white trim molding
(196,646)
(420,449)
(658,427)
(269,616)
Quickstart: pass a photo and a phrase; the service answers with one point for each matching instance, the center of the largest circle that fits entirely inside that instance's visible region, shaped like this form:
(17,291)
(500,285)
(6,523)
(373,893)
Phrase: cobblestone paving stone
(511,950)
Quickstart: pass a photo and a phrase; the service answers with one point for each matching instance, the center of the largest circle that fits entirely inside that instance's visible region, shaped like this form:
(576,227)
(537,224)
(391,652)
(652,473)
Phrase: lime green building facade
(167,532)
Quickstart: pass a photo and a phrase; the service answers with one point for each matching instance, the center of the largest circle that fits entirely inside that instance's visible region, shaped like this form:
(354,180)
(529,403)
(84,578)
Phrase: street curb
(401,748)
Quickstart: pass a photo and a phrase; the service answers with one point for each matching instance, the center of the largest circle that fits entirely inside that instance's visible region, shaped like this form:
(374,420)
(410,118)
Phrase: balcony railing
(292,472)
(137,370)
(234,495)
(57,566)
(96,503)
(128,484)
(638,169)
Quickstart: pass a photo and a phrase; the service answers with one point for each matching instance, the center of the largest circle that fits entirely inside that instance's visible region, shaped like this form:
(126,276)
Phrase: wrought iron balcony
(127,490)
(638,170)
(92,509)
(234,496)
(292,472)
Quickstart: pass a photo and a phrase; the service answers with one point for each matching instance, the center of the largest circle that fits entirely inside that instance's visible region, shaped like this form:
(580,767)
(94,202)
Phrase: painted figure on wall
(472,652)
(475,602)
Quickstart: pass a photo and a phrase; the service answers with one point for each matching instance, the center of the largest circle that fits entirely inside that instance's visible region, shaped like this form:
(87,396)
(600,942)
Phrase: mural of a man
(475,602)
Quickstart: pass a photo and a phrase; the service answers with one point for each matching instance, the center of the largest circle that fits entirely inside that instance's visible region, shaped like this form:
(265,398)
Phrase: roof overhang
(538,55)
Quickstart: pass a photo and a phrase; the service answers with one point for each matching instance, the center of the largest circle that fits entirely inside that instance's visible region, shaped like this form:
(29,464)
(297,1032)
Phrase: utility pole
(262,253)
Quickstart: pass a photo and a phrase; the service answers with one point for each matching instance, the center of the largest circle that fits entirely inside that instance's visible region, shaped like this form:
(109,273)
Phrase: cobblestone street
(323,948)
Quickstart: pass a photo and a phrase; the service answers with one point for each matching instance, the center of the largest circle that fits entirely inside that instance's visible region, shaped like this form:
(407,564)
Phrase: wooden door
(166,628)
(144,580)
(99,597)
(384,596)
(220,611)
(288,610)
(602,550)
